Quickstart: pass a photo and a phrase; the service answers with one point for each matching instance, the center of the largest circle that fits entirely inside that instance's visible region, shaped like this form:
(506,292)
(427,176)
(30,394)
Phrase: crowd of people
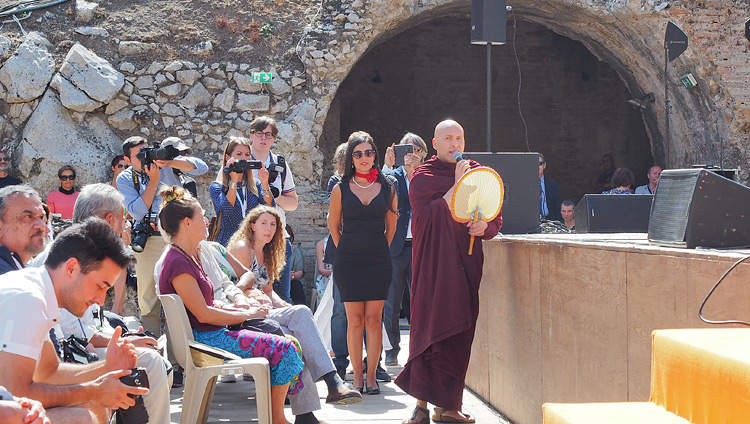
(612,180)
(392,250)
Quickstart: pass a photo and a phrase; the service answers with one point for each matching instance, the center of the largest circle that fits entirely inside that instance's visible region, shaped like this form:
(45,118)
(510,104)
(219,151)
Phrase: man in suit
(549,199)
(401,244)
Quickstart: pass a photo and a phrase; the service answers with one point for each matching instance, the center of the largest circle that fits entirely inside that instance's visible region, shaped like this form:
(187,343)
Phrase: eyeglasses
(358,154)
(5,159)
(120,165)
(267,134)
(542,163)
(67,177)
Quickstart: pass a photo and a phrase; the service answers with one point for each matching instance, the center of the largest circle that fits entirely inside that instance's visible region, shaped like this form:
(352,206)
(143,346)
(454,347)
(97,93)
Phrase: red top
(62,203)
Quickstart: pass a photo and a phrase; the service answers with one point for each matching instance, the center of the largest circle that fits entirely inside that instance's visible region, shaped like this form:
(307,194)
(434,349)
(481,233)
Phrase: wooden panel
(584,318)
(515,375)
(731,301)
(478,374)
(657,298)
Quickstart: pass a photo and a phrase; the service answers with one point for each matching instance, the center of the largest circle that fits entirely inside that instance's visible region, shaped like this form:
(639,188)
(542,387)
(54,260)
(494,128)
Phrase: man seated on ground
(105,202)
(15,410)
(83,262)
(566,210)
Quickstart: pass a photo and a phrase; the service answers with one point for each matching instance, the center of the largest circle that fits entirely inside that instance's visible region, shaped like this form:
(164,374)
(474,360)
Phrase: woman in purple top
(183,221)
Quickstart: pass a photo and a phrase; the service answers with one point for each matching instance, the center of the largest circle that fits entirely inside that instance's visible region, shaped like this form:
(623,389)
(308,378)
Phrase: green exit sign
(688,81)
(261,77)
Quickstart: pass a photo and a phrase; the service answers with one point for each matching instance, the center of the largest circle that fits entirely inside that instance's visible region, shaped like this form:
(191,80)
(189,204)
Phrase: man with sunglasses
(5,178)
(140,185)
(263,132)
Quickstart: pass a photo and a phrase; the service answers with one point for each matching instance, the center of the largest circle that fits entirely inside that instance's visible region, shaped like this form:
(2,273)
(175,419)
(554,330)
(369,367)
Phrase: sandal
(417,411)
(438,417)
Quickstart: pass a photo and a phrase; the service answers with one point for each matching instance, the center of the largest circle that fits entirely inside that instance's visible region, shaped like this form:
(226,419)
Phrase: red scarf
(371,177)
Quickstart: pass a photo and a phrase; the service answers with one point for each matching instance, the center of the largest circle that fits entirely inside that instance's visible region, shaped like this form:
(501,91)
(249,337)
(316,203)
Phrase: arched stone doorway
(575,105)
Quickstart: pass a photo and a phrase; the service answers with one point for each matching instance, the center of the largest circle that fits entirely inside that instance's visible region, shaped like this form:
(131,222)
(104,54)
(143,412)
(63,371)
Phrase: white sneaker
(229,378)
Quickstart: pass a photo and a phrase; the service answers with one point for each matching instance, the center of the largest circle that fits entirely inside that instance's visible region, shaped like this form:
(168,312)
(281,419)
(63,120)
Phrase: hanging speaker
(488,21)
(697,208)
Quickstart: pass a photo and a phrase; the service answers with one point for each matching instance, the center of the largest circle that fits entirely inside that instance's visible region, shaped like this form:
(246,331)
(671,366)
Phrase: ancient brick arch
(627,36)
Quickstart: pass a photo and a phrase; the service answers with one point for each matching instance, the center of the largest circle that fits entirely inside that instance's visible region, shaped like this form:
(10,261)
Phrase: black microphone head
(457,156)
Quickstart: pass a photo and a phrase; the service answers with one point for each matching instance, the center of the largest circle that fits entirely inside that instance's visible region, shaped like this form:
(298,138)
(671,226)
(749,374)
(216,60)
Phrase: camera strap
(242,200)
(137,186)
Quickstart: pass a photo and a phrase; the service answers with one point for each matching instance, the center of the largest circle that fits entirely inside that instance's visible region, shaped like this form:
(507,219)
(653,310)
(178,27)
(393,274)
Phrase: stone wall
(78,109)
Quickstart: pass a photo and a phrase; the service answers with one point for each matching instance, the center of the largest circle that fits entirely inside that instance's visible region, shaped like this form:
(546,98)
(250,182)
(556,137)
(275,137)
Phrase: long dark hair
(355,139)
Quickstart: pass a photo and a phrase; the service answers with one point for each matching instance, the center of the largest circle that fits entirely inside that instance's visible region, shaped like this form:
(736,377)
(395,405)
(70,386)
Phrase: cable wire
(700,310)
(518,95)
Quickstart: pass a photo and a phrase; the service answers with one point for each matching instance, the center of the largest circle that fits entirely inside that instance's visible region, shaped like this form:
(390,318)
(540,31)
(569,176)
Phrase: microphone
(457,156)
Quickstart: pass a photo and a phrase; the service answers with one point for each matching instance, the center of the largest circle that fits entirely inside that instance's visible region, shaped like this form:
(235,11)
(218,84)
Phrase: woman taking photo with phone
(182,219)
(236,192)
(366,200)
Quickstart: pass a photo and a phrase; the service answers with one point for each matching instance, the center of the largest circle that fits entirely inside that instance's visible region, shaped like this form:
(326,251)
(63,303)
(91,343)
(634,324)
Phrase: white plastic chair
(200,381)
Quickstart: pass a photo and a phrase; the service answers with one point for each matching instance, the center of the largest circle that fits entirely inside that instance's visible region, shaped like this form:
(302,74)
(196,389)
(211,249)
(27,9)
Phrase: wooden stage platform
(568,318)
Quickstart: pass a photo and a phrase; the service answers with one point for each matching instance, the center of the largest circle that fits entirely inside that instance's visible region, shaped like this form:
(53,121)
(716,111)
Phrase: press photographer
(236,191)
(150,168)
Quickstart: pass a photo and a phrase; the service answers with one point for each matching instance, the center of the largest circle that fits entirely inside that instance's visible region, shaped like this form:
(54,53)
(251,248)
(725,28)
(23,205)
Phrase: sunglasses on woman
(358,154)
(67,177)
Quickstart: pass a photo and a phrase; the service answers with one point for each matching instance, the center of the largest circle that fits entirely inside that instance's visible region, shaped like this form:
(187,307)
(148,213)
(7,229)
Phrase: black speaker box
(613,213)
(698,208)
(520,174)
(488,21)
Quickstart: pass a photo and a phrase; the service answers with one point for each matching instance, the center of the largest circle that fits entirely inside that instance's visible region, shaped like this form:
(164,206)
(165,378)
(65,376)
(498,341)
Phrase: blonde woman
(235,193)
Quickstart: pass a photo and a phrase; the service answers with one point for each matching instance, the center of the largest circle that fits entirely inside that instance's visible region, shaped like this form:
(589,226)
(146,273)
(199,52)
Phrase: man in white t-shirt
(84,262)
(263,132)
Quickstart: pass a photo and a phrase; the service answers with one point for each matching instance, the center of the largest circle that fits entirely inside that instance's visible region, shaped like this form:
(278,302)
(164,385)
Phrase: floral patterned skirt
(283,353)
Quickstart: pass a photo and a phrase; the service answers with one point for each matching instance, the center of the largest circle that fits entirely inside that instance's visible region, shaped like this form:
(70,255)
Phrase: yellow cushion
(609,413)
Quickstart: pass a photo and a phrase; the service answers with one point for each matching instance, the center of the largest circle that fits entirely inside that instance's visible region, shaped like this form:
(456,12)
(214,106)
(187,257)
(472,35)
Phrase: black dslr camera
(243,165)
(137,413)
(140,234)
(148,155)
(274,171)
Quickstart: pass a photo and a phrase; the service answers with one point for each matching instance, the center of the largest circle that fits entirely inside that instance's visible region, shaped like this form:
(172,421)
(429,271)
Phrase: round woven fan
(478,195)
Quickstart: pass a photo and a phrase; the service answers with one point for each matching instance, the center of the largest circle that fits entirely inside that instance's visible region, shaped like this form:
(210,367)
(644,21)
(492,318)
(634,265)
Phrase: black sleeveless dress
(362,269)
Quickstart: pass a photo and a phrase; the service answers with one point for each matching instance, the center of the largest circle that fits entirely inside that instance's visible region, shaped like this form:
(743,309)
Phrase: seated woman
(259,245)
(182,219)
(234,194)
(622,179)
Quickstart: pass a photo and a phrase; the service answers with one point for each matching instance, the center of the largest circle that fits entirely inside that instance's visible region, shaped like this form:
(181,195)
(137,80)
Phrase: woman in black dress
(366,200)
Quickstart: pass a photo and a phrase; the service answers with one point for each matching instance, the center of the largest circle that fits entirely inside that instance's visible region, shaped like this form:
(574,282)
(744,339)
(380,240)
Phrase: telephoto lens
(137,413)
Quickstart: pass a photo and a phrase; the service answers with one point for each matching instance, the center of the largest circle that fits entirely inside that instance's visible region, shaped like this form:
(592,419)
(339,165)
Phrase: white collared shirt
(28,310)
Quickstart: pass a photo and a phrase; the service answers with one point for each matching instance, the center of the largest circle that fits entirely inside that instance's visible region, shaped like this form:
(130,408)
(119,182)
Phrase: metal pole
(489,97)
(667,105)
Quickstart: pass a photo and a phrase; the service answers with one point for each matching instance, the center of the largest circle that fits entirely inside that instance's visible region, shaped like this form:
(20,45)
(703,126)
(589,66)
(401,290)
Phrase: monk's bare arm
(334,215)
(391,218)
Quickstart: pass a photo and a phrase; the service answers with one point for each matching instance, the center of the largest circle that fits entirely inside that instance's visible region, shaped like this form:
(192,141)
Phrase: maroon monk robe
(444,290)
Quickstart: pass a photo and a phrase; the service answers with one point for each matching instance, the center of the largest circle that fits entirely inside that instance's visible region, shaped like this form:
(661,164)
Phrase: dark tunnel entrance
(575,105)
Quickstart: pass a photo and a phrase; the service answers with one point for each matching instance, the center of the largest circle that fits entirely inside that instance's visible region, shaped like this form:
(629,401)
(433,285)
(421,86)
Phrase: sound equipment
(488,21)
(613,213)
(747,30)
(698,208)
(520,174)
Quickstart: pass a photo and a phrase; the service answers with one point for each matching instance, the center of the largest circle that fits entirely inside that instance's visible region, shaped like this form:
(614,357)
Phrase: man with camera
(83,263)
(151,168)
(263,132)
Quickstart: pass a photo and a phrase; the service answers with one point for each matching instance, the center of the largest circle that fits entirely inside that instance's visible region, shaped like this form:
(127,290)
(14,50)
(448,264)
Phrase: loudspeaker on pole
(488,21)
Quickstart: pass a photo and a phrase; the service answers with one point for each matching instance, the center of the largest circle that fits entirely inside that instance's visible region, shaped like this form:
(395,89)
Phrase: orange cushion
(608,413)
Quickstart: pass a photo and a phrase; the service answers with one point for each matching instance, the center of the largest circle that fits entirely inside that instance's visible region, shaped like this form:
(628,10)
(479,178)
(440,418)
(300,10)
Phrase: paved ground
(235,403)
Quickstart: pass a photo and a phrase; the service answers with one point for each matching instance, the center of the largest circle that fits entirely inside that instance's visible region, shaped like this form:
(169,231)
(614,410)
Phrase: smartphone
(400,150)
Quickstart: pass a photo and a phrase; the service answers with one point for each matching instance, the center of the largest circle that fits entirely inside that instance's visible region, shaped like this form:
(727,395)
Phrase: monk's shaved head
(445,125)
(449,138)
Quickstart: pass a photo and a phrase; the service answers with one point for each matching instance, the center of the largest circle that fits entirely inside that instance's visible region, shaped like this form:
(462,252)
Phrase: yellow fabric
(702,375)
(608,413)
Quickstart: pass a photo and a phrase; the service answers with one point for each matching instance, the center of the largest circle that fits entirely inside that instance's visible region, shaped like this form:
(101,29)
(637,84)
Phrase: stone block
(253,102)
(27,72)
(225,100)
(131,48)
(188,77)
(196,97)
(85,10)
(71,97)
(172,89)
(92,74)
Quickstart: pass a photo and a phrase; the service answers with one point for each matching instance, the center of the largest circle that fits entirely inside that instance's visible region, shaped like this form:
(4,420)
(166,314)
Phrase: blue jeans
(338,331)
(283,286)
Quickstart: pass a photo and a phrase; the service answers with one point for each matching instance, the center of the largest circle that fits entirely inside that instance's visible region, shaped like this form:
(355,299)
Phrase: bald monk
(445,284)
